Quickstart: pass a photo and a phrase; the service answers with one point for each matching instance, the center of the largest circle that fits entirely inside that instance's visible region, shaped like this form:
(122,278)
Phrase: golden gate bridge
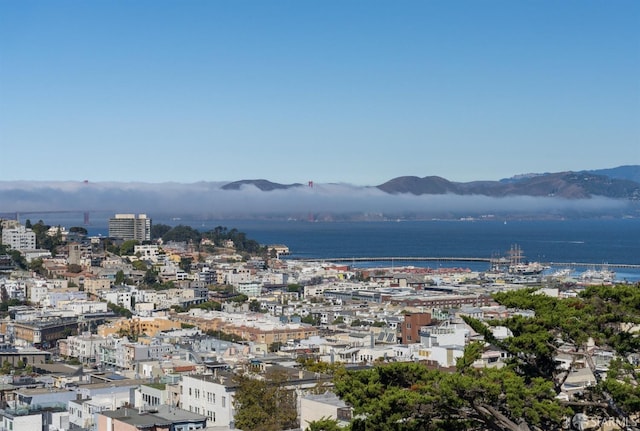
(15,215)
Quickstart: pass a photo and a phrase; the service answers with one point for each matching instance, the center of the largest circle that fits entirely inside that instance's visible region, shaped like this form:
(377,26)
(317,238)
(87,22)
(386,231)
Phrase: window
(224,401)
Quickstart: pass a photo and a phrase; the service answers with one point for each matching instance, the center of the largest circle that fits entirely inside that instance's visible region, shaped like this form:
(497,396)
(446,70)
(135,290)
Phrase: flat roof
(162,416)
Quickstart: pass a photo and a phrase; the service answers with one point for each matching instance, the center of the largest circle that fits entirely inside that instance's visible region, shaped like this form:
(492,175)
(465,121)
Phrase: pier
(397,259)
(460,259)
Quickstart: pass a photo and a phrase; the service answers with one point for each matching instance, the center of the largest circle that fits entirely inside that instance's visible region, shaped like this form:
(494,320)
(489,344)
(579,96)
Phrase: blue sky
(331,91)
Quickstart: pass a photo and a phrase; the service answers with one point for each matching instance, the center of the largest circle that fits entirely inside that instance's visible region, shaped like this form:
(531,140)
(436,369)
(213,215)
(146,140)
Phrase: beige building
(149,326)
(323,406)
(254,328)
(93,286)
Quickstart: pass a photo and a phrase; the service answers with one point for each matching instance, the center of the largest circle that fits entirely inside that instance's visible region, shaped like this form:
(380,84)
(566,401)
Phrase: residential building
(41,333)
(150,395)
(130,227)
(122,354)
(85,347)
(161,419)
(411,326)
(252,327)
(149,326)
(147,252)
(209,395)
(315,407)
(19,238)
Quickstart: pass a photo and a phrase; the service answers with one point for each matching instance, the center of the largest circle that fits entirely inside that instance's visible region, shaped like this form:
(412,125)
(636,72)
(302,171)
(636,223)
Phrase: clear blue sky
(331,91)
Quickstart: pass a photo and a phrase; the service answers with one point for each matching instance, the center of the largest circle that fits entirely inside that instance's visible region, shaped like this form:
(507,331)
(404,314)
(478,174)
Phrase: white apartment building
(16,289)
(209,395)
(83,306)
(82,412)
(10,421)
(147,252)
(124,355)
(237,275)
(19,238)
(151,395)
(85,347)
(130,226)
(38,292)
(249,288)
(121,297)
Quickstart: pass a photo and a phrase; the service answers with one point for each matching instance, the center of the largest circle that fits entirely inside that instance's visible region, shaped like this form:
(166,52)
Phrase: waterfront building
(130,227)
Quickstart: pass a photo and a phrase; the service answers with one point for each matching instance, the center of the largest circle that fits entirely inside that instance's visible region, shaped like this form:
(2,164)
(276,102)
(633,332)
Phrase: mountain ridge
(568,185)
(552,195)
(622,182)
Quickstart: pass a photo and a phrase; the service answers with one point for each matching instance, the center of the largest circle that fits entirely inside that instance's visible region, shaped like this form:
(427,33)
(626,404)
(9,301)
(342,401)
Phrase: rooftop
(163,415)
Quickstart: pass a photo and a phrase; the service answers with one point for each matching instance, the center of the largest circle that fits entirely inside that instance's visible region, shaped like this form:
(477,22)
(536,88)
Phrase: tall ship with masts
(515,263)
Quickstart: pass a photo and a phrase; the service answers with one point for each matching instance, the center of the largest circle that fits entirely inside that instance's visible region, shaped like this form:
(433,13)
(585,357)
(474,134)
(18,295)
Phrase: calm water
(589,241)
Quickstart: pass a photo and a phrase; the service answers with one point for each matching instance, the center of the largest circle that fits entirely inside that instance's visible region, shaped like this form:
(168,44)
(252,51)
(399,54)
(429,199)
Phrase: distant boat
(513,263)
(593,276)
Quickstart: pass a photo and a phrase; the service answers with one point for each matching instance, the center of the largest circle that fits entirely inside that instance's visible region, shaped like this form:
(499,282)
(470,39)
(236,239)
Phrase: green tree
(4,295)
(79,230)
(208,305)
(127,247)
(185,264)
(240,298)
(295,288)
(37,266)
(325,424)
(119,280)
(408,396)
(158,230)
(264,405)
(18,259)
(254,305)
(119,310)
(311,320)
(182,233)
(139,265)
(150,277)
(43,240)
(74,268)
(275,346)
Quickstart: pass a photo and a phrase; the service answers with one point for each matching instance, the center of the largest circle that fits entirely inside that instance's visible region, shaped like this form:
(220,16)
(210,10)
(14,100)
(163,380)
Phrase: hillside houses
(160,333)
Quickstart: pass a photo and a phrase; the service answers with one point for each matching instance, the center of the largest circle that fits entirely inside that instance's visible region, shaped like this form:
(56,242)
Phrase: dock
(459,259)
